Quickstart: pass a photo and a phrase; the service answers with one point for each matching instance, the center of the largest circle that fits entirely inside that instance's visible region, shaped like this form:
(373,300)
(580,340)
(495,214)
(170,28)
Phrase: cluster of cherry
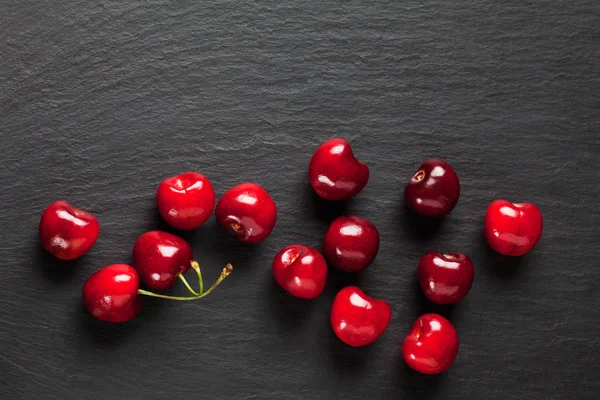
(351,244)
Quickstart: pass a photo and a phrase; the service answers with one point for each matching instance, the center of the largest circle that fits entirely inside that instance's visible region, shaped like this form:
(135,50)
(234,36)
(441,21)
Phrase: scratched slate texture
(100,100)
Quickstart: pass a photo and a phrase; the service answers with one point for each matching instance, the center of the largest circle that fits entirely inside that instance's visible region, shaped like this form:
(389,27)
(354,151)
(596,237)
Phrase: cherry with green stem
(160,258)
(113,293)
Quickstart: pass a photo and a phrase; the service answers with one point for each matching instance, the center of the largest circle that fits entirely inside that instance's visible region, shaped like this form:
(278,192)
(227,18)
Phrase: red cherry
(431,345)
(433,190)
(248,212)
(351,243)
(445,278)
(300,270)
(358,319)
(67,232)
(159,257)
(512,229)
(335,173)
(185,201)
(111,294)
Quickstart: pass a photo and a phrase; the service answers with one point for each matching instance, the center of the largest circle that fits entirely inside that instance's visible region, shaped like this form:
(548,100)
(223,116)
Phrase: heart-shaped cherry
(160,257)
(433,190)
(111,294)
(512,229)
(351,243)
(445,278)
(358,319)
(66,231)
(248,212)
(335,173)
(185,201)
(431,345)
(300,270)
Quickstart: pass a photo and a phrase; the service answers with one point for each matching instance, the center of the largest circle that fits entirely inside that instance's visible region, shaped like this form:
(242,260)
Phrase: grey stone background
(101,100)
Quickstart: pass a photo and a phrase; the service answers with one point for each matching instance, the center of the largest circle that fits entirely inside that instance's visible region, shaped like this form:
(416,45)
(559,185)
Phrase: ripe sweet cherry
(351,243)
(185,201)
(67,232)
(433,190)
(300,270)
(358,319)
(431,345)
(513,229)
(160,258)
(248,212)
(111,294)
(335,173)
(445,278)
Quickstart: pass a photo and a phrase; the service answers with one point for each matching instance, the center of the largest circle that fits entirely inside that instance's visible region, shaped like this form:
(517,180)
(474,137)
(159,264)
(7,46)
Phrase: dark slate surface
(100,100)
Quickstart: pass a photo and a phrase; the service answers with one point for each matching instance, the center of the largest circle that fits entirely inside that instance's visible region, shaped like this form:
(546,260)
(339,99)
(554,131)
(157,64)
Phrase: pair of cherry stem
(195,295)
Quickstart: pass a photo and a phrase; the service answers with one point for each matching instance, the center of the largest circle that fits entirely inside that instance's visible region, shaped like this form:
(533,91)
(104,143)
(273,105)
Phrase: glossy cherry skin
(159,256)
(67,232)
(512,229)
(431,345)
(248,212)
(300,270)
(445,278)
(335,173)
(351,243)
(185,201)
(433,190)
(111,294)
(358,319)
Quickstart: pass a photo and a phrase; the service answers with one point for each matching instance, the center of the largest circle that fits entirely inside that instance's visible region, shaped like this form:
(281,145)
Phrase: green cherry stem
(187,285)
(196,267)
(224,274)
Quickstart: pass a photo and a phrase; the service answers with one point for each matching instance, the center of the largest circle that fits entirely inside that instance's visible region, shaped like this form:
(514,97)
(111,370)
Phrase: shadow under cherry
(499,265)
(326,210)
(418,227)
(55,270)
